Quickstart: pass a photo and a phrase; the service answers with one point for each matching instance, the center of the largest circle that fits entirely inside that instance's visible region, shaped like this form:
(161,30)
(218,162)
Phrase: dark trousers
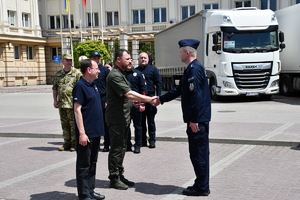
(118,143)
(136,117)
(199,155)
(86,163)
(148,116)
(106,136)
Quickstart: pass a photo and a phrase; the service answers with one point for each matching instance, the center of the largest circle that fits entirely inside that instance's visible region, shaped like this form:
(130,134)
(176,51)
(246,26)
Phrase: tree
(86,48)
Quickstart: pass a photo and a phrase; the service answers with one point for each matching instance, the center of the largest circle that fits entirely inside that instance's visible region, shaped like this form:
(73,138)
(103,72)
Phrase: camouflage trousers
(67,124)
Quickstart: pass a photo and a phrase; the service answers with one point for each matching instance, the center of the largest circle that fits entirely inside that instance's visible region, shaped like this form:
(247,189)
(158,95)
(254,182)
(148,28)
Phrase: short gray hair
(191,50)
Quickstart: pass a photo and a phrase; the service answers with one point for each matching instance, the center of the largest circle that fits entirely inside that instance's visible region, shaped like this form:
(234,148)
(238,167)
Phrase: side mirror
(215,48)
(282,46)
(281,36)
(215,38)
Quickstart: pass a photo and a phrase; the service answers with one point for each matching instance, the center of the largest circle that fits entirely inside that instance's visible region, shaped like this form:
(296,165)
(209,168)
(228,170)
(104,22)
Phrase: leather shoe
(86,198)
(105,149)
(192,192)
(97,196)
(152,145)
(137,150)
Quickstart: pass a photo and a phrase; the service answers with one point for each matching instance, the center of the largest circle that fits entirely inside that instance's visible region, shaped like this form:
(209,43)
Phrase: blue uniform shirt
(195,94)
(101,82)
(153,79)
(137,81)
(87,95)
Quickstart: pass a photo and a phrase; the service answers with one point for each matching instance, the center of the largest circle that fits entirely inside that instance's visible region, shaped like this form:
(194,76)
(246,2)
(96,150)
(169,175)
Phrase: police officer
(63,84)
(196,108)
(137,84)
(101,85)
(154,85)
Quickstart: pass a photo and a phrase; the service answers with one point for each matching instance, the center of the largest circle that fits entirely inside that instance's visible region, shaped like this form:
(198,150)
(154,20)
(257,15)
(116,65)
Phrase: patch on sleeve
(191,82)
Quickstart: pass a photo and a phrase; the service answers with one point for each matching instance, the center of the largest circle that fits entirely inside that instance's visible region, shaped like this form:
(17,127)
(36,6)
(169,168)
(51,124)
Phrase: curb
(175,139)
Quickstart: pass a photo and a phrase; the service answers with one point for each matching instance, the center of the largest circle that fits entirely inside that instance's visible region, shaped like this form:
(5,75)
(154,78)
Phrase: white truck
(239,49)
(290,57)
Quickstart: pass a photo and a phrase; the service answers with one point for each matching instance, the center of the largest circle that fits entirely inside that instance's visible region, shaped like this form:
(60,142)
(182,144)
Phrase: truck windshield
(250,42)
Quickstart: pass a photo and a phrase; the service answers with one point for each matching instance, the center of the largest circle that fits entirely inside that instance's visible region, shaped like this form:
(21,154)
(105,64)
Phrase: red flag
(84,3)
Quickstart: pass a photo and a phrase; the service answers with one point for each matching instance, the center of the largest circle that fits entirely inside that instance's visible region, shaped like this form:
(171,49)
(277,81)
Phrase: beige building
(32,32)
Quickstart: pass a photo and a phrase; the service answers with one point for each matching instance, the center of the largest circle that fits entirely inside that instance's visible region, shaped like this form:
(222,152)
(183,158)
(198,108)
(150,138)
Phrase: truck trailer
(239,49)
(290,57)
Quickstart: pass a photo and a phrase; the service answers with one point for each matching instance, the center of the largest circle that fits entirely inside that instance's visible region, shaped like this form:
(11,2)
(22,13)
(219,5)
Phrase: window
(54,22)
(211,6)
(239,4)
(187,11)
(16,52)
(66,21)
(25,20)
(55,51)
(138,16)
(268,4)
(29,51)
(11,17)
(95,19)
(297,1)
(112,18)
(160,15)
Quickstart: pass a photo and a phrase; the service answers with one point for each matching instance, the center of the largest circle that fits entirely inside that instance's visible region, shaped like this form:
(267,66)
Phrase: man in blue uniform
(137,84)
(101,85)
(89,126)
(196,108)
(154,85)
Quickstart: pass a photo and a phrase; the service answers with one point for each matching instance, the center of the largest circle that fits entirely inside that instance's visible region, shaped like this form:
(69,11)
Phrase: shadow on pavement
(153,188)
(53,195)
(44,148)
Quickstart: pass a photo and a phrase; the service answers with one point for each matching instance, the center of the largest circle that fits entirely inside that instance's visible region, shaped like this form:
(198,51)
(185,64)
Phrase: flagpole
(80,22)
(91,19)
(101,21)
(70,27)
(60,26)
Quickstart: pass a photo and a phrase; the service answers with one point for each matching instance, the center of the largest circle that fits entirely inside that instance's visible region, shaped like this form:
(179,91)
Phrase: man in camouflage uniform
(63,84)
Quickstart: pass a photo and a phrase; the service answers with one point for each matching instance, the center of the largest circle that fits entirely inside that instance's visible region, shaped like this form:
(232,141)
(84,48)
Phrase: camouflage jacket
(63,83)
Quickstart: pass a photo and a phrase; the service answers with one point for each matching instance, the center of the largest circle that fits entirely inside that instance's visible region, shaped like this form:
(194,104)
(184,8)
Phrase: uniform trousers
(199,155)
(149,116)
(67,125)
(86,164)
(136,117)
(118,134)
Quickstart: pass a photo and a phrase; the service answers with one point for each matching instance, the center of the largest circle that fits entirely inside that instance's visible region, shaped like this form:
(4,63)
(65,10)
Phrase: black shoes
(137,150)
(105,149)
(192,192)
(152,145)
(126,181)
(97,196)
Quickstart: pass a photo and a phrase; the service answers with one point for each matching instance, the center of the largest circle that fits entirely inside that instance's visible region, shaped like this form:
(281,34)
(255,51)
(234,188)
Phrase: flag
(84,3)
(66,5)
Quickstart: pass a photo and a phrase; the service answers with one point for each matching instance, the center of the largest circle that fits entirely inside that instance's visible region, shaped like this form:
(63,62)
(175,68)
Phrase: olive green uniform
(63,83)
(118,120)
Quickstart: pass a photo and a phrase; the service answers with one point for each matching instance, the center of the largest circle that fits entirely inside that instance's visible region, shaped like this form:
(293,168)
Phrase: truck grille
(252,76)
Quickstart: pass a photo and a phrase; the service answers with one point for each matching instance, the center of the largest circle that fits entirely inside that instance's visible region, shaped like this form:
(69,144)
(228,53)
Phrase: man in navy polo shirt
(89,126)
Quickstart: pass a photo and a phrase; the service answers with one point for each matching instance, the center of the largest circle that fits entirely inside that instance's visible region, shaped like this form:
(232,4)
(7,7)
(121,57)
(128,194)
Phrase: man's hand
(83,139)
(194,127)
(155,101)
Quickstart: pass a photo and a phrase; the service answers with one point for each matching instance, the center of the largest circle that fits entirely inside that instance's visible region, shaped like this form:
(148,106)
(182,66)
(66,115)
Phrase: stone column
(135,52)
(124,42)
(111,48)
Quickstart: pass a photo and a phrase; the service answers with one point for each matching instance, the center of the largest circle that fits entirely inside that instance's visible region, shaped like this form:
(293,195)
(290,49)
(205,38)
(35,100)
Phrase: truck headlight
(274,83)
(227,84)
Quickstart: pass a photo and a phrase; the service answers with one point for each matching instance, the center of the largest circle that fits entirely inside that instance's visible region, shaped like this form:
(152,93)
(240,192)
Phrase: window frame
(29,53)
(95,19)
(58,52)
(24,20)
(160,15)
(112,20)
(243,3)
(270,4)
(141,19)
(16,52)
(11,17)
(56,21)
(211,6)
(188,11)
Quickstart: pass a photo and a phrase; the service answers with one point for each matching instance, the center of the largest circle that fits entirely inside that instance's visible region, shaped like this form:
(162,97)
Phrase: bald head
(143,59)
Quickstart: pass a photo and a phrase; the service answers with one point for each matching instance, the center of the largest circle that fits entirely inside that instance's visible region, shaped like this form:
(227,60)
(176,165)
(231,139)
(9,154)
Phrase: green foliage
(113,49)
(86,48)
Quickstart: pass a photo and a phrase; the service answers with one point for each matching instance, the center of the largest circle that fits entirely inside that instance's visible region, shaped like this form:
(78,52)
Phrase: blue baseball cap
(189,42)
(95,53)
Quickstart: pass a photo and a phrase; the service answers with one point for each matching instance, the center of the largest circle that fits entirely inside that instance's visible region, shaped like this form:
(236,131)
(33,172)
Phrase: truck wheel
(213,92)
(285,85)
(172,83)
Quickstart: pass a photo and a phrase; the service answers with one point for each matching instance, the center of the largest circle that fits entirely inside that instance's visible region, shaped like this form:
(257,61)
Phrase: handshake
(154,101)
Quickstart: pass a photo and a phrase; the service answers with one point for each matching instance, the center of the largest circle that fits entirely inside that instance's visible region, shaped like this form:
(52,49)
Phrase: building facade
(32,32)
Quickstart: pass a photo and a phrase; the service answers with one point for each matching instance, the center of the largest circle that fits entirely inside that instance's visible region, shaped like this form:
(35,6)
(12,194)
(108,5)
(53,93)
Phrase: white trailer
(239,49)
(288,19)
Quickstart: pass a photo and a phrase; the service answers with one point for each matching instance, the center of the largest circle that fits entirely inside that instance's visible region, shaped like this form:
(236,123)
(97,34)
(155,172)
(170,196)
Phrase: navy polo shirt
(87,95)
(137,81)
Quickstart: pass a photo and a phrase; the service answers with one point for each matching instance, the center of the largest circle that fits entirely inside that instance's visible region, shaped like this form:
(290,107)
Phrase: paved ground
(241,167)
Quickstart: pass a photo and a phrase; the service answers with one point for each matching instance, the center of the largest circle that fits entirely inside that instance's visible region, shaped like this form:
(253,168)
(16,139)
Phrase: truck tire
(285,85)
(213,93)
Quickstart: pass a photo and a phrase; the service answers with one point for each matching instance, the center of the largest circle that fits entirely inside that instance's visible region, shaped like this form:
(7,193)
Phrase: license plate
(252,94)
